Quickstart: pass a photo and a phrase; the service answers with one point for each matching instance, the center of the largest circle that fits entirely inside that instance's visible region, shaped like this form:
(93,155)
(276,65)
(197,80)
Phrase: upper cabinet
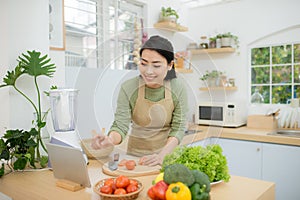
(170,26)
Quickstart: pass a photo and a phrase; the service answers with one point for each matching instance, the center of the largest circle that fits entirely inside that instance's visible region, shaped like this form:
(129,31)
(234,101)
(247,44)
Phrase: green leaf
(209,160)
(35,65)
(33,132)
(53,87)
(13,134)
(2,170)
(20,163)
(12,76)
(44,161)
(31,143)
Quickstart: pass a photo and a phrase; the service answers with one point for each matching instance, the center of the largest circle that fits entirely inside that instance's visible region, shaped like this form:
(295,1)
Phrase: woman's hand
(101,141)
(157,159)
(151,160)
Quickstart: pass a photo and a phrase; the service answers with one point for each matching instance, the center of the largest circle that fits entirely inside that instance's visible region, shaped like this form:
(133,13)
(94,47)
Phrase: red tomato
(106,189)
(130,164)
(120,191)
(109,182)
(151,194)
(133,182)
(131,188)
(160,189)
(122,181)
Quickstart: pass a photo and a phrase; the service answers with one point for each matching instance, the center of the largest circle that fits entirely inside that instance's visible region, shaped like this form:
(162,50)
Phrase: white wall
(25,29)
(251,21)
(24,26)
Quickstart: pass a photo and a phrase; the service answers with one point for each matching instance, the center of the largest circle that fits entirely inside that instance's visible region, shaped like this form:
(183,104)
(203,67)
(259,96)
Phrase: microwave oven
(221,114)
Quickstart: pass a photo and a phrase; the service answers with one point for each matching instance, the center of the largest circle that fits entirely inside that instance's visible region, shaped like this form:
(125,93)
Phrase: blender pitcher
(63,104)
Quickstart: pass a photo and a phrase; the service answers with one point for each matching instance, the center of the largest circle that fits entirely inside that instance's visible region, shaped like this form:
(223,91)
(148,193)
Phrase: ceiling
(201,3)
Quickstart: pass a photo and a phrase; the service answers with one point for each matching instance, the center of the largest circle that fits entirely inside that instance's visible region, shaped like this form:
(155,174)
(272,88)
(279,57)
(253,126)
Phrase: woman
(156,104)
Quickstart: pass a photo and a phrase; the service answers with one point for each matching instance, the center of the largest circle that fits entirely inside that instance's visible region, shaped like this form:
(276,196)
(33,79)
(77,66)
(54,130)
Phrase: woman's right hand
(101,141)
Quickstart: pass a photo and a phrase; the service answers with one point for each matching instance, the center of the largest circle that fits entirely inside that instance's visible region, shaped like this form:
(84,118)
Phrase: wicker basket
(129,196)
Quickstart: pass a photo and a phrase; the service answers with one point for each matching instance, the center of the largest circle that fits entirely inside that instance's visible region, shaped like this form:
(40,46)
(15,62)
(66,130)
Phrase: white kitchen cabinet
(281,164)
(202,143)
(244,158)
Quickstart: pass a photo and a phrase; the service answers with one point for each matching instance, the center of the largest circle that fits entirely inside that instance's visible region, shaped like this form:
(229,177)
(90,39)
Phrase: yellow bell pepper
(159,177)
(178,191)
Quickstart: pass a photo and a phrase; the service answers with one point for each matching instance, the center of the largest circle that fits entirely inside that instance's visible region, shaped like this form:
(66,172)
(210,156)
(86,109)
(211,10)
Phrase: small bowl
(95,153)
(129,196)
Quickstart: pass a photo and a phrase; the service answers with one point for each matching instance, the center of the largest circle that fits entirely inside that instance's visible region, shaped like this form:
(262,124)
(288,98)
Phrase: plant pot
(226,42)
(170,18)
(222,81)
(211,82)
(212,44)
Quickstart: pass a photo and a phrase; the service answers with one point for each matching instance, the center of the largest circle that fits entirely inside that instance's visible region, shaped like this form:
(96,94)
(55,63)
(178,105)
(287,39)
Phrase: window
(101,33)
(81,33)
(275,71)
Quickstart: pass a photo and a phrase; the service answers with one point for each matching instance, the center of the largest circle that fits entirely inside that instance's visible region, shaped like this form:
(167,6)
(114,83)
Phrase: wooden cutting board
(139,170)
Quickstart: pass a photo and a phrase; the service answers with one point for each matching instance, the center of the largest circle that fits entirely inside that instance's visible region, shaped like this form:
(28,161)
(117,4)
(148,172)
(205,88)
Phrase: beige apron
(151,123)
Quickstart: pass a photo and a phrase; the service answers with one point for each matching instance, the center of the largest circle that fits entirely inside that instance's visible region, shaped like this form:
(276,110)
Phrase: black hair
(165,48)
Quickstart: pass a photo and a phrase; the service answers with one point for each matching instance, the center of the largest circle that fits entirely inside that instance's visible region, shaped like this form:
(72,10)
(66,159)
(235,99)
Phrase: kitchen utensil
(129,196)
(95,153)
(276,113)
(63,104)
(113,164)
(294,116)
(139,170)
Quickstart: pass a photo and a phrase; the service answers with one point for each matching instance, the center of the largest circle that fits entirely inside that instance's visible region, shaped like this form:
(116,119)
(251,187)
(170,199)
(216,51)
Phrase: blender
(63,104)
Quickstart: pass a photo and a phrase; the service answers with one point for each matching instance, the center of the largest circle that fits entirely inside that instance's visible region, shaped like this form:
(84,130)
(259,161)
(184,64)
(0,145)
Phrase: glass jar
(257,97)
(231,82)
(203,43)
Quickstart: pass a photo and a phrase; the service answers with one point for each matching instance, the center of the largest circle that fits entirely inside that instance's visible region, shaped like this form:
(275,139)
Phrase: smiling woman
(155,102)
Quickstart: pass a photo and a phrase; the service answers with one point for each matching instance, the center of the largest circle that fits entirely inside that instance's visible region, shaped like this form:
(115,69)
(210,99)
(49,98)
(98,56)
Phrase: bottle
(257,97)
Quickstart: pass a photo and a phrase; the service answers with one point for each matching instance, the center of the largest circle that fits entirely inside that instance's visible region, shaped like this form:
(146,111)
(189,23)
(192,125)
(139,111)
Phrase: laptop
(68,163)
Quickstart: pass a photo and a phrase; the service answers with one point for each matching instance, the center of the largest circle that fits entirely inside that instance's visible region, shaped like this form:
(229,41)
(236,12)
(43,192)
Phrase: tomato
(122,181)
(160,189)
(106,189)
(151,194)
(133,182)
(131,188)
(109,182)
(120,191)
(130,164)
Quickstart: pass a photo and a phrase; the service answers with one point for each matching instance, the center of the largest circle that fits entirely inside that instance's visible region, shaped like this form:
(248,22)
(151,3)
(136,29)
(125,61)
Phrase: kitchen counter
(40,185)
(241,133)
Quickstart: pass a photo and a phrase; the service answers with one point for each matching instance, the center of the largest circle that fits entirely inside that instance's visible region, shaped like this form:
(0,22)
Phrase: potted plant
(213,78)
(228,39)
(20,148)
(168,14)
(212,42)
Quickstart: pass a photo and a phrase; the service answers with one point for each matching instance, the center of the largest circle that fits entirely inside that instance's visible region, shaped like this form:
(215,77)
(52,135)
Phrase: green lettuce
(209,159)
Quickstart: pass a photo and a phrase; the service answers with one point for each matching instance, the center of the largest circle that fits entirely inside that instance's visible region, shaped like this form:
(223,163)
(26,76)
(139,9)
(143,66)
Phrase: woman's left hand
(151,160)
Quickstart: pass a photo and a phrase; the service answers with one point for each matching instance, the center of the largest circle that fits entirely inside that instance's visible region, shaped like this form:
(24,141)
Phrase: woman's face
(153,68)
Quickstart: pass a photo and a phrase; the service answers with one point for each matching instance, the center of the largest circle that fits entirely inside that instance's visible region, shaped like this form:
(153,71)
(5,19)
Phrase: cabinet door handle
(257,149)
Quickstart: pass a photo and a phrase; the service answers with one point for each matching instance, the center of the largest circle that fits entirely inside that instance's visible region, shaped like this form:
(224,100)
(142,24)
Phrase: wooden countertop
(40,185)
(241,133)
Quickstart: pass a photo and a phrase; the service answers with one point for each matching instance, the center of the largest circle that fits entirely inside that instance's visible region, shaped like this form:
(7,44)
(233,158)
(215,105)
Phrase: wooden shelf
(170,26)
(218,88)
(212,50)
(183,70)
